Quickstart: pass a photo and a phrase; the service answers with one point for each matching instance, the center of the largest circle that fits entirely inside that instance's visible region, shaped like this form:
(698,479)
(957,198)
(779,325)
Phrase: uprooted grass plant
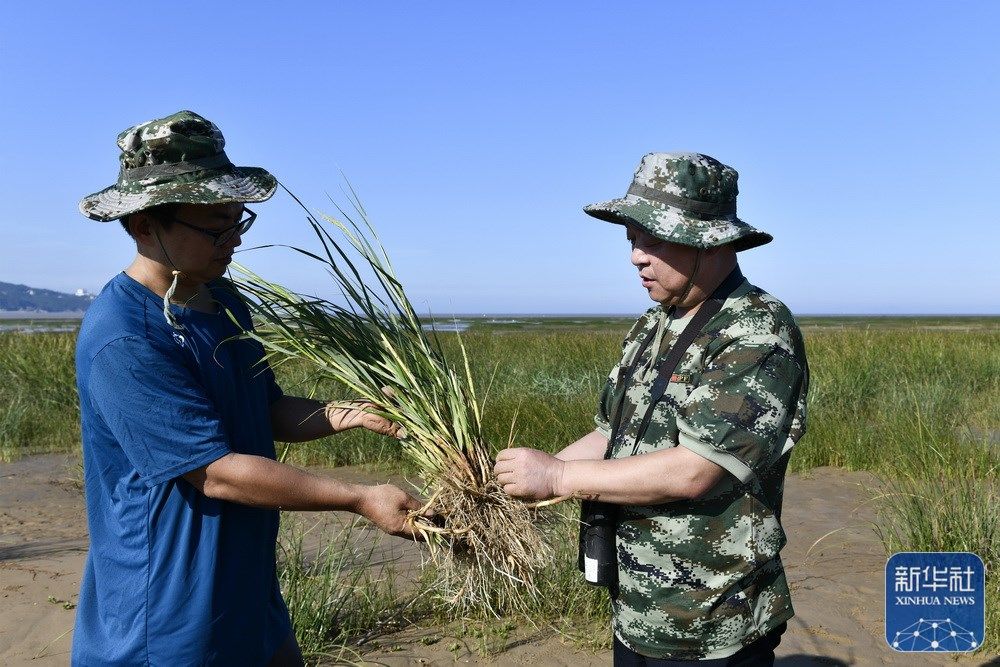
(487,545)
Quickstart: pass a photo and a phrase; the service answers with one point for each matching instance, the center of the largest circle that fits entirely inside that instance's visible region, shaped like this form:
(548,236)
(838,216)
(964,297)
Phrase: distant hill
(26,299)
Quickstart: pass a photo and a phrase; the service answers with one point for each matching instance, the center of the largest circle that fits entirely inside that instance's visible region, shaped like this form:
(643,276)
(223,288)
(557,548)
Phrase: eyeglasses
(221,237)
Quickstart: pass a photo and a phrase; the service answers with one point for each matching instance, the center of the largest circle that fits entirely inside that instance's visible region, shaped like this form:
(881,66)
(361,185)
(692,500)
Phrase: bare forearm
(645,479)
(296,419)
(591,446)
(261,482)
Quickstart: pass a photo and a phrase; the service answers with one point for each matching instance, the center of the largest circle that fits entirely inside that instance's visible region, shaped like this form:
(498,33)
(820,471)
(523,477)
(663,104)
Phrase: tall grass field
(914,400)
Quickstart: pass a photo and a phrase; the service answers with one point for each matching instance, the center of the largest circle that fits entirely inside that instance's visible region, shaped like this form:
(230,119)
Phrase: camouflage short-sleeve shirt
(700,579)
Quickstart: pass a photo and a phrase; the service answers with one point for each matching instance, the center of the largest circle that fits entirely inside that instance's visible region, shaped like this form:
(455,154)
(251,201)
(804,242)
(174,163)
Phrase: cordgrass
(341,607)
(39,407)
(566,606)
(486,545)
(335,600)
(948,512)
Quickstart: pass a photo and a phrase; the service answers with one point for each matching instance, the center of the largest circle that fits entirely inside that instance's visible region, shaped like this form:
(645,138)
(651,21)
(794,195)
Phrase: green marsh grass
(901,403)
(335,600)
(39,407)
(948,512)
(341,607)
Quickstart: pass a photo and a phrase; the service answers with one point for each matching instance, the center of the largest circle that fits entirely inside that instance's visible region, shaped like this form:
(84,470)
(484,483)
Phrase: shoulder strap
(627,377)
(709,308)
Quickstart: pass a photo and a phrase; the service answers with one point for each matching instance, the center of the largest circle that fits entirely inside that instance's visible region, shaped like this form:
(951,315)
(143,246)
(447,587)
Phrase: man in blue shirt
(179,420)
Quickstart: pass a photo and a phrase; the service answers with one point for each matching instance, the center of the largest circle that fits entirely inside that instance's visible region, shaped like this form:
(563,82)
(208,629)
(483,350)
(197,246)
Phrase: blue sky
(865,135)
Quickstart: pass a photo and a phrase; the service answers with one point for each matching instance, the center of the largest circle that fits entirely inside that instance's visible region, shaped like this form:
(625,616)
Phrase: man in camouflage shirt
(699,485)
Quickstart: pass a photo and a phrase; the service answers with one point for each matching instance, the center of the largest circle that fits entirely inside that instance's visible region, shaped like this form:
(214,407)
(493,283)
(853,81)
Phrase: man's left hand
(344,418)
(528,473)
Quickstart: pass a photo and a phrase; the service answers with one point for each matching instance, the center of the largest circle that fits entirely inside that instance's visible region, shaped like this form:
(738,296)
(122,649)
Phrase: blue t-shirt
(172,577)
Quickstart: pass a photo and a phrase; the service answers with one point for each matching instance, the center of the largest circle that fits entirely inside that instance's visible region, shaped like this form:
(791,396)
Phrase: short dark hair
(163,213)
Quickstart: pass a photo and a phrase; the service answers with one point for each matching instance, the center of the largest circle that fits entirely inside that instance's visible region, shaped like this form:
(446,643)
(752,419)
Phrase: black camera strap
(709,308)
(628,378)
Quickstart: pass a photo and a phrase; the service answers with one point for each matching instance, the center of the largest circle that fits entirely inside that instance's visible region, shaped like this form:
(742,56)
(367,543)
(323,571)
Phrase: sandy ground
(834,563)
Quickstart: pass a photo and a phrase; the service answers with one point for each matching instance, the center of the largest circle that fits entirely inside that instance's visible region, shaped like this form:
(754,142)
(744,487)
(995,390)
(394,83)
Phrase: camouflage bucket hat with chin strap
(685,198)
(176,159)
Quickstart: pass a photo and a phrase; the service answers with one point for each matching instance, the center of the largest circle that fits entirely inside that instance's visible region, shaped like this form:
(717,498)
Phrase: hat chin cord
(169,316)
(690,283)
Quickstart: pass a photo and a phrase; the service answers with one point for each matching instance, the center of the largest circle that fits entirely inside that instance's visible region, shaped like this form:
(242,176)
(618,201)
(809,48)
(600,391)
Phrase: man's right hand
(343,418)
(388,507)
(258,481)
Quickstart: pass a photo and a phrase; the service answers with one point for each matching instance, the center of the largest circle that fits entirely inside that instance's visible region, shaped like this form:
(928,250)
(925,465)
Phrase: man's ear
(712,250)
(140,225)
(723,250)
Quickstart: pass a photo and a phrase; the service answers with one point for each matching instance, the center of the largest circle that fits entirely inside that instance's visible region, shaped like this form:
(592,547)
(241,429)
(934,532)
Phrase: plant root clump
(486,545)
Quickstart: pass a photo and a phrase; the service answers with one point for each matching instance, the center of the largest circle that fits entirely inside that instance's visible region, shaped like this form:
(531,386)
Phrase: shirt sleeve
(739,415)
(156,409)
(274,391)
(238,311)
(602,419)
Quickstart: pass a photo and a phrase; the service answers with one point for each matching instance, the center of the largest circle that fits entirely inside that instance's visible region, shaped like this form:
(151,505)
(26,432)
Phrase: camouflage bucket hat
(177,159)
(685,198)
